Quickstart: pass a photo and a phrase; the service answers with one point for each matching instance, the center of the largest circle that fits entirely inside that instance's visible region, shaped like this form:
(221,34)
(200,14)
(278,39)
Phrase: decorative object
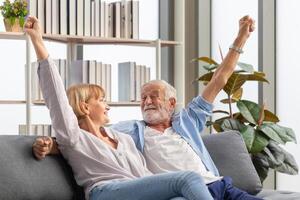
(257,125)
(14,14)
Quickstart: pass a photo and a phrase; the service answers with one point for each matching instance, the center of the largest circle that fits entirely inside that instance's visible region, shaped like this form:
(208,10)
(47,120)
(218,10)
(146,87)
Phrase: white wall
(288,71)
(225,18)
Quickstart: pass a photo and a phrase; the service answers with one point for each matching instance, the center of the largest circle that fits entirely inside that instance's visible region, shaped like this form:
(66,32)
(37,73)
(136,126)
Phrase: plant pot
(12,27)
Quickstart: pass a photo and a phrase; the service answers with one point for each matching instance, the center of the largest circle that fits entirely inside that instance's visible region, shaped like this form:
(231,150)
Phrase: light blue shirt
(188,123)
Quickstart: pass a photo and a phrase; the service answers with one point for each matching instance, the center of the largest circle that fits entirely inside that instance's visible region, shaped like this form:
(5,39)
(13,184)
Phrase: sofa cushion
(24,177)
(231,157)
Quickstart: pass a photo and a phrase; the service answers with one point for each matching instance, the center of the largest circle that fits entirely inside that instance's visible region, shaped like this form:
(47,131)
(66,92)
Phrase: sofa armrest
(232,159)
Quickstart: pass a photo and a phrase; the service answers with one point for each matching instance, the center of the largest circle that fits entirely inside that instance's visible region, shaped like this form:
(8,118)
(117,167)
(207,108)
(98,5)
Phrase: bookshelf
(72,42)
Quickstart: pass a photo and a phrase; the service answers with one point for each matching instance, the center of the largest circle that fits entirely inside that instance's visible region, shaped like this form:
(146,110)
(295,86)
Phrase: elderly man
(164,136)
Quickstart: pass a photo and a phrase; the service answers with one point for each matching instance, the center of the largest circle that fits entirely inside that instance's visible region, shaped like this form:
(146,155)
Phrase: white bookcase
(29,111)
(71,43)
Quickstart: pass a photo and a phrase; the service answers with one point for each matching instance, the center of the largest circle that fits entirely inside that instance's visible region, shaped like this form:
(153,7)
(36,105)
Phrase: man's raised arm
(226,68)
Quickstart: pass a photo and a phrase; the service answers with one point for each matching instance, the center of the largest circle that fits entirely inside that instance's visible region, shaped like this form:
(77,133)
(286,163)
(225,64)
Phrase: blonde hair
(83,93)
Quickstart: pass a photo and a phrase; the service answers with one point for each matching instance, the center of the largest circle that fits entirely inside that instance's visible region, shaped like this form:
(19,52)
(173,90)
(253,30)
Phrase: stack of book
(38,130)
(36,94)
(91,72)
(131,78)
(88,17)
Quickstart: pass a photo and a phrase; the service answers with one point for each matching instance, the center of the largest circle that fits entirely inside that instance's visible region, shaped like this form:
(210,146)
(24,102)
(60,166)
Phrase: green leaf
(239,116)
(284,161)
(258,73)
(232,124)
(248,134)
(237,95)
(259,143)
(249,110)
(272,131)
(234,83)
(246,67)
(286,134)
(261,165)
(255,77)
(206,59)
(270,117)
(206,77)
(290,133)
(221,111)
(210,67)
(227,101)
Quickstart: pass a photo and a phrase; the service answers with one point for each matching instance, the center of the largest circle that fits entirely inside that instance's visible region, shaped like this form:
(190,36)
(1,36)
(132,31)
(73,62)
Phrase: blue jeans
(178,185)
(224,190)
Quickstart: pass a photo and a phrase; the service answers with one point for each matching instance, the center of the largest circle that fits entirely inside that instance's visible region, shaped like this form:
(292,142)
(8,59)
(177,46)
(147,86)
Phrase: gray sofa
(23,177)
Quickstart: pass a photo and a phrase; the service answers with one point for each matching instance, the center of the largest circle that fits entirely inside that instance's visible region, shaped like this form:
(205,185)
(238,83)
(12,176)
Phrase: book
(126,84)
(102,18)
(110,20)
(80,17)
(72,17)
(135,19)
(41,14)
(108,82)
(63,71)
(48,20)
(106,20)
(79,72)
(55,17)
(35,90)
(138,82)
(103,76)
(117,19)
(98,73)
(97,18)
(87,17)
(92,71)
(33,8)
(124,19)
(63,19)
(93,15)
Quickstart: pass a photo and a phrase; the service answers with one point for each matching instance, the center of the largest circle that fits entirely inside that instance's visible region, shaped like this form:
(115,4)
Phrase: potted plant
(257,125)
(14,14)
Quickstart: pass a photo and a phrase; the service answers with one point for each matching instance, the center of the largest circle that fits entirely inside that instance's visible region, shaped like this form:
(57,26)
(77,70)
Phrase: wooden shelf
(13,35)
(90,39)
(110,41)
(12,101)
(113,104)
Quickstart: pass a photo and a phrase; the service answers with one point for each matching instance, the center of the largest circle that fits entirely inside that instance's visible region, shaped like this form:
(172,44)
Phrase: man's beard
(157,116)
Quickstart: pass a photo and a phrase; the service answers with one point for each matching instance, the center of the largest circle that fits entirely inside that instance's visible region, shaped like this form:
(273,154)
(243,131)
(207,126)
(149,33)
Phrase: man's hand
(226,68)
(246,26)
(42,146)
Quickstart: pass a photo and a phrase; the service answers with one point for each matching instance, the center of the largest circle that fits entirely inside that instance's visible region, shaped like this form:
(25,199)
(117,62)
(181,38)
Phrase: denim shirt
(188,123)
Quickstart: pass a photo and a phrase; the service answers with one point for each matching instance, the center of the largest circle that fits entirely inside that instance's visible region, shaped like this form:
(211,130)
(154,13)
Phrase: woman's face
(98,110)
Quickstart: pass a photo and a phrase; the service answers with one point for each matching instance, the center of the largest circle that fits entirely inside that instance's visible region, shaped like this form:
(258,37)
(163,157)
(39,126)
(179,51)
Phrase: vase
(12,27)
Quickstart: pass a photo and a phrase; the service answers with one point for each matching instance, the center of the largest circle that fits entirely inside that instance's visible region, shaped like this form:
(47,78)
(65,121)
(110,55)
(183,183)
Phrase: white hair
(170,91)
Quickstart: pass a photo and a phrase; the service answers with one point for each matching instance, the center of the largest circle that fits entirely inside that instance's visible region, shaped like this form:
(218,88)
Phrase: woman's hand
(33,29)
(42,146)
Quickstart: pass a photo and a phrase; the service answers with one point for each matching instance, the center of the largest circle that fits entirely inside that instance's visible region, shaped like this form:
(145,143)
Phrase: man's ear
(84,107)
(172,101)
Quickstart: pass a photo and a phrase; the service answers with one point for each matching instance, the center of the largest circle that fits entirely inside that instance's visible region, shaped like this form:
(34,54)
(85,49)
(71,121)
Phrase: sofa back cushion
(24,177)
(232,159)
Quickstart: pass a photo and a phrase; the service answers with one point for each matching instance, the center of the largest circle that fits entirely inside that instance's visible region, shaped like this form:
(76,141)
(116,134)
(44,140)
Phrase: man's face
(155,108)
